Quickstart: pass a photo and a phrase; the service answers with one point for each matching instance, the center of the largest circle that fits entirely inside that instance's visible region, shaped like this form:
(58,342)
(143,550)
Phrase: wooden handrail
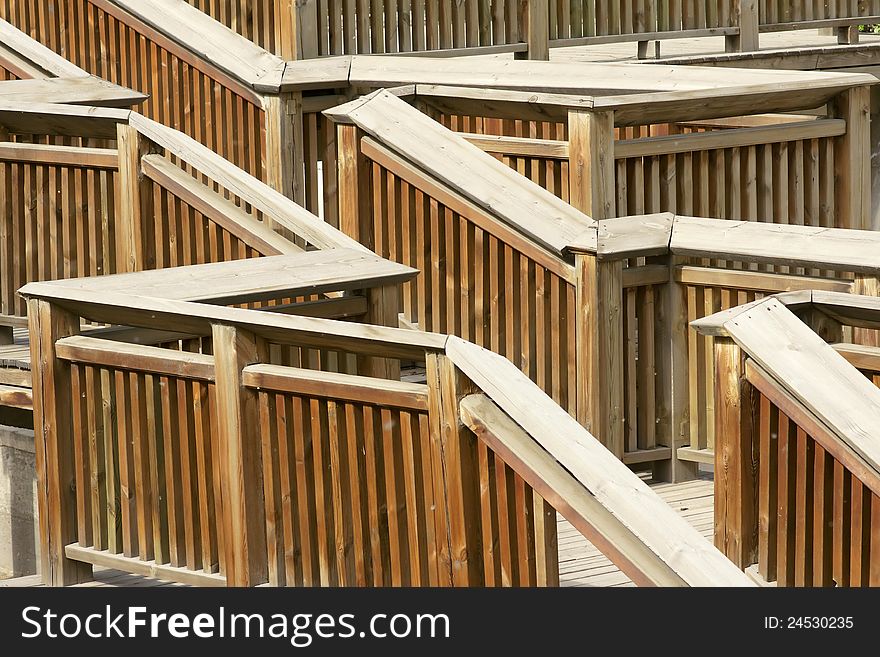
(467,170)
(73,156)
(29,58)
(282,211)
(793,355)
(733,138)
(521,418)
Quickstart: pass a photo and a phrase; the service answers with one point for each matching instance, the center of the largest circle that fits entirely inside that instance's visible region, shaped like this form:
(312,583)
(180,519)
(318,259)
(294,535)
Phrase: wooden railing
(317,28)
(812,171)
(513,268)
(153,199)
(291,476)
(797,487)
(250,102)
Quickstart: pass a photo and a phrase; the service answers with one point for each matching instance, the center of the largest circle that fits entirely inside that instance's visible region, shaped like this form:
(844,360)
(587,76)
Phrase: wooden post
(591,162)
(285,156)
(599,345)
(456,479)
(296,29)
(736,456)
(848,34)
(135,222)
(673,412)
(53,440)
(382,310)
(852,159)
(355,186)
(243,516)
(747,20)
(869,286)
(535,29)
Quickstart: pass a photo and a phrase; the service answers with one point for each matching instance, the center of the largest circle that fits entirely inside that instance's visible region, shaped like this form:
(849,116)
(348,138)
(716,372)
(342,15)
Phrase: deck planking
(581,563)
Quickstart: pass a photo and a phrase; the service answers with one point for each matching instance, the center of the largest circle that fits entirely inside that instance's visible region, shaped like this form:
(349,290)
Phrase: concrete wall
(18,503)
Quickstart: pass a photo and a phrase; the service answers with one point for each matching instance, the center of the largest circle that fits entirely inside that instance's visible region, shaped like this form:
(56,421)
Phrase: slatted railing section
(57,213)
(478,279)
(104,41)
(577,21)
(784,172)
(706,290)
(817,518)
(782,13)
(797,476)
(781,174)
(355,27)
(291,476)
(146,440)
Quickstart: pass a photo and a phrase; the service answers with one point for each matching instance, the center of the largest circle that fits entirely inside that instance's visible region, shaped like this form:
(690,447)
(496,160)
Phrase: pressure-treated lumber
(786,348)
(632,502)
(459,165)
(54,443)
(273,277)
(243,513)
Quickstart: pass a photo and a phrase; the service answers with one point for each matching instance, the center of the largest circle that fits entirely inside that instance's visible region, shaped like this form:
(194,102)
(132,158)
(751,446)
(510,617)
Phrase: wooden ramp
(581,563)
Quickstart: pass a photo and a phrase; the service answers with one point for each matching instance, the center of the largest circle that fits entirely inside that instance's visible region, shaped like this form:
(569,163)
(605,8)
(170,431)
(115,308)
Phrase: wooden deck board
(581,564)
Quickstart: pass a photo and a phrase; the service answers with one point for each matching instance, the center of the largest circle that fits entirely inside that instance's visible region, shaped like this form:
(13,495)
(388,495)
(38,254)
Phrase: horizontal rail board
(138,358)
(860,356)
(735,138)
(756,281)
(197,318)
(331,308)
(213,206)
(16,397)
(790,26)
(645,275)
(647,455)
(340,387)
(146,568)
(70,156)
(643,36)
(545,148)
(790,245)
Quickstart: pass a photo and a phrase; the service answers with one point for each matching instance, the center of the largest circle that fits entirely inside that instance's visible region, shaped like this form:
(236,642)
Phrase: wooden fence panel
(349,27)
(146,484)
(476,283)
(56,220)
(227,118)
(816,517)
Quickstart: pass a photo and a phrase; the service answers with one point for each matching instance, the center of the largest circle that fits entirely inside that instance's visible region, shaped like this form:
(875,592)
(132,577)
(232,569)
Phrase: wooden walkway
(580,564)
